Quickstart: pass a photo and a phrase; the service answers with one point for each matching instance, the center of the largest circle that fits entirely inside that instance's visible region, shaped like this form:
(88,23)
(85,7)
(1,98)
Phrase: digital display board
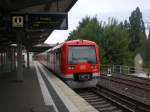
(48,21)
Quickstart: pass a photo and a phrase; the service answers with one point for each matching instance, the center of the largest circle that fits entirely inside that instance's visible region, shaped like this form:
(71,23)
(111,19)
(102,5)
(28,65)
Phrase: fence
(127,70)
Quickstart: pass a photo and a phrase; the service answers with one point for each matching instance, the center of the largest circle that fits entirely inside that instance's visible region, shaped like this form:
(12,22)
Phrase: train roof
(72,42)
(80,42)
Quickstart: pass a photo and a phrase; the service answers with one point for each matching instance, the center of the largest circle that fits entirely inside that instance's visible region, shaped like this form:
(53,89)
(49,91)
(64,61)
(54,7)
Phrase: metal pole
(0,63)
(10,56)
(28,61)
(13,59)
(113,70)
(4,61)
(19,57)
(128,70)
(120,69)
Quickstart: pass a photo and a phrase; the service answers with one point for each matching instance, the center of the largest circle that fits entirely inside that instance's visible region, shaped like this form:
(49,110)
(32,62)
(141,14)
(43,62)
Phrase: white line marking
(71,107)
(46,95)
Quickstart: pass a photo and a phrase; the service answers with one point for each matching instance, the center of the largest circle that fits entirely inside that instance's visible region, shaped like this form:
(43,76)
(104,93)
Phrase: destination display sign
(48,21)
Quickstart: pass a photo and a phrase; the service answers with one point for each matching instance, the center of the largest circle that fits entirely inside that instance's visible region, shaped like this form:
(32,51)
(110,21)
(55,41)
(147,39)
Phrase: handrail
(127,70)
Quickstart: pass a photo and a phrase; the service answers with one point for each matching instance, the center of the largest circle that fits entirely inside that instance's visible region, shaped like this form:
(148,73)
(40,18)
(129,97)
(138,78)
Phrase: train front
(83,64)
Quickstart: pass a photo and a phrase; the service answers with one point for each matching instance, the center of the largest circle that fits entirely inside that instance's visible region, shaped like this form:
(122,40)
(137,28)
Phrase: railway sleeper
(89,95)
(107,109)
(88,98)
(114,101)
(117,111)
(102,105)
(118,96)
(96,100)
(142,109)
(124,100)
(99,103)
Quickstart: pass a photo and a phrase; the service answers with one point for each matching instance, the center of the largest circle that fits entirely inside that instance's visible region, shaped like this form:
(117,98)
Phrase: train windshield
(79,54)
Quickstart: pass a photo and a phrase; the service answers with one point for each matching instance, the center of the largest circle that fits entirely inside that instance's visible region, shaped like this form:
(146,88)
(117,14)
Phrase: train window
(79,54)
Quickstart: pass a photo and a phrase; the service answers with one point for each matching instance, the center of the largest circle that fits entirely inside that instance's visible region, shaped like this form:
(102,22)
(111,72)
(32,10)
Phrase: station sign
(46,21)
(18,21)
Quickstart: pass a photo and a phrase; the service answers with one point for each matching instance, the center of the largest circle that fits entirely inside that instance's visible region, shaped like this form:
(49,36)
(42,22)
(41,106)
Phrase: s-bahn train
(77,62)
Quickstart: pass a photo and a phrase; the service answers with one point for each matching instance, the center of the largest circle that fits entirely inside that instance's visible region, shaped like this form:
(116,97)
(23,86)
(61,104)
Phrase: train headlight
(71,67)
(93,66)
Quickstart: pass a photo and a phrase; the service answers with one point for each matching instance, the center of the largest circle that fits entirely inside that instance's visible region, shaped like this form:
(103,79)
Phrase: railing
(127,70)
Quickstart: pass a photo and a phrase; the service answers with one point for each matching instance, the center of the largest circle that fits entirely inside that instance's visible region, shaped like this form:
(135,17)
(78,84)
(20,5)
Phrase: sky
(102,9)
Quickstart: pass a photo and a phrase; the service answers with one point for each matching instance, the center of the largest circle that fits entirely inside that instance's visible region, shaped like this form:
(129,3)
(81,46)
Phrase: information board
(48,21)
(39,21)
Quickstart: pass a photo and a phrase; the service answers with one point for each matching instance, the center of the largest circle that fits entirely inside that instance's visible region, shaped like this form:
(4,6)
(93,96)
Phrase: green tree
(148,51)
(115,43)
(90,29)
(136,31)
(111,37)
(126,25)
(145,51)
(75,34)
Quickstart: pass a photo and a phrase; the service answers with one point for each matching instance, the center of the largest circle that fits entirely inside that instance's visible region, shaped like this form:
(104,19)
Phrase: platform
(40,91)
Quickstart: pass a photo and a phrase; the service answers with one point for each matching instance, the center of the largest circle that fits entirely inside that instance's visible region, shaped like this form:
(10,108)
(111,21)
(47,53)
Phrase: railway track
(100,102)
(107,101)
(137,84)
(138,89)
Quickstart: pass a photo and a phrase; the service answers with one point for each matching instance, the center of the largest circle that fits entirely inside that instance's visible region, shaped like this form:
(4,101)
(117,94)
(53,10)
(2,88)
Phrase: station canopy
(36,19)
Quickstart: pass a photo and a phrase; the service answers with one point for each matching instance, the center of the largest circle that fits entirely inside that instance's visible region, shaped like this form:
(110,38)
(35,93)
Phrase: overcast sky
(120,9)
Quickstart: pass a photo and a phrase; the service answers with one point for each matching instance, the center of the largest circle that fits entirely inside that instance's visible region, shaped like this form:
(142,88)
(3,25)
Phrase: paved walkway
(20,96)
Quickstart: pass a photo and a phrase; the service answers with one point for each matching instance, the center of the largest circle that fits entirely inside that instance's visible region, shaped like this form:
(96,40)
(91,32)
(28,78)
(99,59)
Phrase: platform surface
(20,96)
(40,91)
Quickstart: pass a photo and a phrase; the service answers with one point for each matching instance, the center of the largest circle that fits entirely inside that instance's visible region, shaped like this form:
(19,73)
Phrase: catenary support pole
(19,57)
(28,61)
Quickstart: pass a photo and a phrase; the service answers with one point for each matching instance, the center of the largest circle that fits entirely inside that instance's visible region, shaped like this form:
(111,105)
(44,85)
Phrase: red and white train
(76,62)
